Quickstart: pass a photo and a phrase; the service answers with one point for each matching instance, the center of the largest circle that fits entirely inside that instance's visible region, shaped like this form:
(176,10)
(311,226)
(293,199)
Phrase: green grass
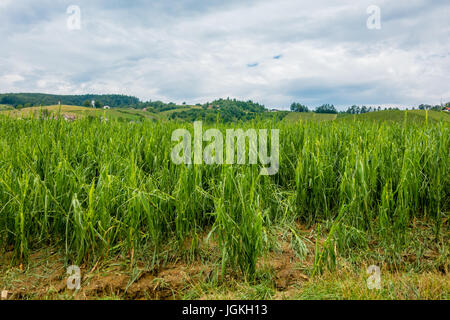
(178,109)
(97,189)
(388,115)
(4,107)
(119,114)
(309,116)
(128,114)
(420,116)
(125,114)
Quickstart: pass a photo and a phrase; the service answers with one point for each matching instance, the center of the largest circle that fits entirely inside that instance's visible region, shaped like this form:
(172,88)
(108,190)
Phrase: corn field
(95,188)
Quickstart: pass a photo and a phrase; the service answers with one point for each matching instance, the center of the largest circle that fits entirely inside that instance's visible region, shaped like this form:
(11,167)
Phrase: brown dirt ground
(45,277)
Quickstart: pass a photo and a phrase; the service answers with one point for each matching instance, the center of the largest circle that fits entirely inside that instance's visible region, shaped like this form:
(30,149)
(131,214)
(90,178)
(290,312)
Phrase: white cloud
(11,78)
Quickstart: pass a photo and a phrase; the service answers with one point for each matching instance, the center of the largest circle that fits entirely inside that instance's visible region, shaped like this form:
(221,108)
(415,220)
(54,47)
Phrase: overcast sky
(273,52)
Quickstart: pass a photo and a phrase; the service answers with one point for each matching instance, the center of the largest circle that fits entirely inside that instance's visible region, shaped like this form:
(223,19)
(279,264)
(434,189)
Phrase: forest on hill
(26,100)
(227,110)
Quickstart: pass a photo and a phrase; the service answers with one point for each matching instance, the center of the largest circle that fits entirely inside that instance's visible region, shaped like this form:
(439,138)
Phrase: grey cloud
(190,50)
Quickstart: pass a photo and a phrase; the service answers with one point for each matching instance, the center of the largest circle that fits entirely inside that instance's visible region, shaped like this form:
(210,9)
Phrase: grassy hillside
(433,115)
(78,112)
(129,114)
(168,113)
(388,115)
(126,114)
(399,116)
(4,107)
(308,116)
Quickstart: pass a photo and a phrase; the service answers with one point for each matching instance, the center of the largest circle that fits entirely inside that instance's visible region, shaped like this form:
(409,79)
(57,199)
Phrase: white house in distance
(93,103)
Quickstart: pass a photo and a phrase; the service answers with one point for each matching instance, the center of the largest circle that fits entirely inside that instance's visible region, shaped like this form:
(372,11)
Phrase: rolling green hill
(309,116)
(399,116)
(124,114)
(127,114)
(388,115)
(4,107)
(192,113)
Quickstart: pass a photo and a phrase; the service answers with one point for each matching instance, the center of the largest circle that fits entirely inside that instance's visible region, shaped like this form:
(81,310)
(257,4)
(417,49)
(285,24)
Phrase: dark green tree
(326,108)
(298,107)
(98,105)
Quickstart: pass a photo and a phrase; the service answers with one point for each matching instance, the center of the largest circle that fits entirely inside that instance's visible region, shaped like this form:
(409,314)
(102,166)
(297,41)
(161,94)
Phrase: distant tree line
(18,100)
(327,108)
(435,108)
(298,107)
(360,110)
(248,106)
